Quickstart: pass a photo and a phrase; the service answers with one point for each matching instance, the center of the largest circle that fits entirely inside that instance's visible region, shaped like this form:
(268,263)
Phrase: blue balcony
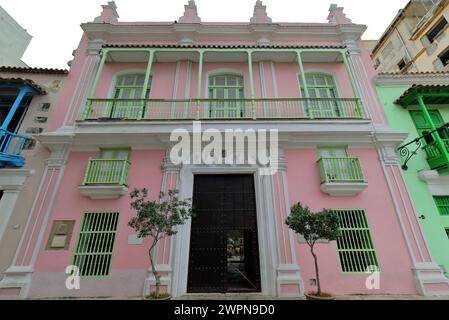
(11,147)
(15,98)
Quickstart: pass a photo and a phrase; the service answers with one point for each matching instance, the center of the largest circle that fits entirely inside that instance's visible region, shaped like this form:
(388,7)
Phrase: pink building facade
(132,84)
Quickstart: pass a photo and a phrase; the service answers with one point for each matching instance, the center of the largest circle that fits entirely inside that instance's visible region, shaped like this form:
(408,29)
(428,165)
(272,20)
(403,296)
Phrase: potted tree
(322,225)
(158,219)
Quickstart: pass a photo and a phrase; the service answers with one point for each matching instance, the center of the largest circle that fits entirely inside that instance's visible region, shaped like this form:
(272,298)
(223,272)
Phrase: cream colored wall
(425,61)
(422,61)
(35,159)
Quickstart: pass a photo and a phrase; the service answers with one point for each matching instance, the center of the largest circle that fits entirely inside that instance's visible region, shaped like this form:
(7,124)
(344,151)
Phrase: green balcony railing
(341,170)
(206,109)
(435,157)
(101,171)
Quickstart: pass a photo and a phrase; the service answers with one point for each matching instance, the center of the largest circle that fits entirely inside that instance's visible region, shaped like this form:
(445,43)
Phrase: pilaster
(164,249)
(429,277)
(18,277)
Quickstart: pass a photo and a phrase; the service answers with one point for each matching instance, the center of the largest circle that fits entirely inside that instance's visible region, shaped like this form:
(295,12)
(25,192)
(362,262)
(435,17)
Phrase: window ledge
(343,189)
(108,192)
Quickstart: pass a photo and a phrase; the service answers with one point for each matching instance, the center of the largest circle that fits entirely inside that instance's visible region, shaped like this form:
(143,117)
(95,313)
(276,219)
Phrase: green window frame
(422,126)
(322,91)
(130,86)
(442,203)
(229,90)
(95,245)
(127,101)
(355,246)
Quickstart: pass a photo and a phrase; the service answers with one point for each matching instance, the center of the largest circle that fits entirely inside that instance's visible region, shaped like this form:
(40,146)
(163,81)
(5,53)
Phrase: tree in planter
(322,225)
(158,219)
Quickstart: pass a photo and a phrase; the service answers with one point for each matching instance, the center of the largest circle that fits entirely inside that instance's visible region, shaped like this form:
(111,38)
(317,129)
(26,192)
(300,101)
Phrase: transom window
(229,88)
(93,253)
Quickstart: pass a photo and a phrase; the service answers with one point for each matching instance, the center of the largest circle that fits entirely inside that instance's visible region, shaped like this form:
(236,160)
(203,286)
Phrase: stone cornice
(148,135)
(148,32)
(408,79)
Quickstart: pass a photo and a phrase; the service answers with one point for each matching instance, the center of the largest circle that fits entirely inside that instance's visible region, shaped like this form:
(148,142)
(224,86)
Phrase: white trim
(108,192)
(438,184)
(274,79)
(266,232)
(341,189)
(11,183)
(87,82)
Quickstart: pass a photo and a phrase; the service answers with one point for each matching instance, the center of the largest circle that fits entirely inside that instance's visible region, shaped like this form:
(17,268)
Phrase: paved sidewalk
(255,296)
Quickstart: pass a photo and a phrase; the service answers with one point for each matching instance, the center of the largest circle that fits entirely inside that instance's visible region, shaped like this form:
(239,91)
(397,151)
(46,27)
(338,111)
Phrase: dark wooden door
(224,252)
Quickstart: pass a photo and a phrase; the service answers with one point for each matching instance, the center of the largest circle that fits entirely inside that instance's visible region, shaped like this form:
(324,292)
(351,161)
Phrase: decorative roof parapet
(190,13)
(109,13)
(337,16)
(260,14)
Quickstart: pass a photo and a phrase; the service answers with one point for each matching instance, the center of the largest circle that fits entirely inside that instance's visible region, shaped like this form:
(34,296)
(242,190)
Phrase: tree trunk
(317,273)
(155,273)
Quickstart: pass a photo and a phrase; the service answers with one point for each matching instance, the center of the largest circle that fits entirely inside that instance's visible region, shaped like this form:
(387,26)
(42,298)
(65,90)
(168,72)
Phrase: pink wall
(145,171)
(395,262)
(286,78)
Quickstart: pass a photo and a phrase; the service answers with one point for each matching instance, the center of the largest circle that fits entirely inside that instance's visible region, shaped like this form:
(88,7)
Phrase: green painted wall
(434,225)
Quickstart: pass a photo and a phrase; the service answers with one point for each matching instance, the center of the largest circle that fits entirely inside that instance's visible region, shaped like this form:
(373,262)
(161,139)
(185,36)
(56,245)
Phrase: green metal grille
(93,252)
(442,203)
(355,245)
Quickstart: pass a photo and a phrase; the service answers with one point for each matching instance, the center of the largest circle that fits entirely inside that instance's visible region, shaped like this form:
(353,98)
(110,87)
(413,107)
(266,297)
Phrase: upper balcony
(433,129)
(201,82)
(15,97)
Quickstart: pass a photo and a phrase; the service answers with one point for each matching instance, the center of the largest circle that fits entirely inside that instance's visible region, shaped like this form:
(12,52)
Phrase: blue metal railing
(11,147)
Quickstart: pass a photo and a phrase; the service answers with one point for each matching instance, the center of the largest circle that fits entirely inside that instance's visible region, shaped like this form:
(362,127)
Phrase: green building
(418,103)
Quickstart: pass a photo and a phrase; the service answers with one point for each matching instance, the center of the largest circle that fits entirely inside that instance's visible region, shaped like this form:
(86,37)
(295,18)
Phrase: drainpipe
(435,135)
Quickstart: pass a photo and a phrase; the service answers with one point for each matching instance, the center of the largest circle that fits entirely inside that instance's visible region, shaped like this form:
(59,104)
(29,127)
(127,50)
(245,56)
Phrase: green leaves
(158,218)
(312,226)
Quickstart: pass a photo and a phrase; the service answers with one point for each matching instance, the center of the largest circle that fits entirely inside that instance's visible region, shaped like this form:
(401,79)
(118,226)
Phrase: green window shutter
(355,246)
(93,253)
(226,87)
(442,203)
(420,121)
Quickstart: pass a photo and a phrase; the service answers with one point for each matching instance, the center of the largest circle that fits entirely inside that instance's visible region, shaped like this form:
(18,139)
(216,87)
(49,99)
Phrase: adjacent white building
(14,40)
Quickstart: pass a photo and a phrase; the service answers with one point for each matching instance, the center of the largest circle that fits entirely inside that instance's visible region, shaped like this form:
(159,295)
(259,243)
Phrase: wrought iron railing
(340,170)
(102,171)
(11,147)
(206,109)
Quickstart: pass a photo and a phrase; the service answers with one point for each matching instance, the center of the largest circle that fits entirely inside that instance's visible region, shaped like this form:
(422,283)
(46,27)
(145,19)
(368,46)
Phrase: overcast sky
(54,24)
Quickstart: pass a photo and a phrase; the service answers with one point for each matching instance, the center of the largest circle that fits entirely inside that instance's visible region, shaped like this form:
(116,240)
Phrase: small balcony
(341,176)
(11,147)
(435,157)
(216,109)
(105,179)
